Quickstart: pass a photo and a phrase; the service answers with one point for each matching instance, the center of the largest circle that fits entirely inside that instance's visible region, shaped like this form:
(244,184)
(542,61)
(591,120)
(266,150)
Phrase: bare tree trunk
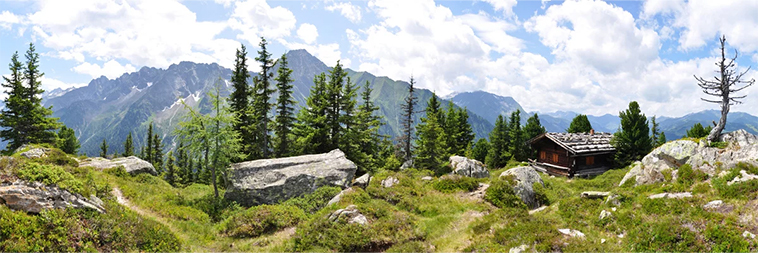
(715,133)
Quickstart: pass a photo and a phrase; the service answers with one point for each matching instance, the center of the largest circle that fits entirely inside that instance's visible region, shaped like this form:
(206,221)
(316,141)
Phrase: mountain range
(109,109)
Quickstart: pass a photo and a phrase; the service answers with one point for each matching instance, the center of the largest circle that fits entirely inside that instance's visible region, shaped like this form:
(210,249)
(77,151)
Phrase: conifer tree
(498,154)
(334,102)
(11,118)
(431,150)
(285,109)
(310,128)
(350,136)
(580,124)
(171,175)
(239,101)
(128,146)
(633,141)
(406,122)
(654,134)
(261,96)
(480,150)
(698,131)
(147,151)
(211,135)
(518,147)
(104,149)
(157,153)
(367,127)
(460,135)
(533,128)
(661,139)
(41,125)
(67,141)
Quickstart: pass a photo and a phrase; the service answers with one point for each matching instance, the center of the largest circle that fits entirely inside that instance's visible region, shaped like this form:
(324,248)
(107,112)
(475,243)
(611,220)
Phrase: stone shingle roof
(580,143)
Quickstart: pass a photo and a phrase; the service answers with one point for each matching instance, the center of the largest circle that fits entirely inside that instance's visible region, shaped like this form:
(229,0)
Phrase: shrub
(501,194)
(58,157)
(119,171)
(453,183)
(719,144)
(664,235)
(539,194)
(687,176)
(725,239)
(311,203)
(217,208)
(262,219)
(49,175)
(516,227)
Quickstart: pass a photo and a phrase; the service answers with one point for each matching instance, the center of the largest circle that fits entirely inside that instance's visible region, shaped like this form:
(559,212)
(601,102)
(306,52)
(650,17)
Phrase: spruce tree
(171,175)
(533,128)
(350,136)
(261,96)
(367,127)
(13,129)
(431,150)
(310,128)
(41,125)
(518,147)
(285,109)
(580,124)
(147,151)
(334,102)
(480,150)
(239,101)
(406,122)
(157,153)
(67,141)
(498,155)
(633,141)
(128,146)
(104,149)
(698,131)
(661,139)
(654,131)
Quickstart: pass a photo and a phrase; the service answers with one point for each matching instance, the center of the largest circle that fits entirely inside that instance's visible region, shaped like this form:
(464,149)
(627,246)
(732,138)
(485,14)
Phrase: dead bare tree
(726,82)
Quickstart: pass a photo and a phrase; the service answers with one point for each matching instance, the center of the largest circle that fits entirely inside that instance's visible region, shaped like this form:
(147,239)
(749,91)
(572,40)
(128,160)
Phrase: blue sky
(587,56)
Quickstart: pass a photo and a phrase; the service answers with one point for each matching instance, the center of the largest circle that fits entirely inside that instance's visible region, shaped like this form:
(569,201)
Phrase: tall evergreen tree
(459,133)
(349,135)
(310,128)
(147,151)
(104,149)
(532,129)
(67,141)
(661,139)
(334,103)
(239,101)
(261,96)
(518,148)
(367,127)
(41,125)
(580,124)
(498,155)
(698,131)
(128,146)
(431,150)
(157,153)
(406,122)
(654,132)
(633,141)
(285,109)
(13,129)
(211,135)
(171,176)
(480,150)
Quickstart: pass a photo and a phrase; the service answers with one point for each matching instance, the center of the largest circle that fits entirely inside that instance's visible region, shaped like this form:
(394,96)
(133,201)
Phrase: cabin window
(543,156)
(555,158)
(590,160)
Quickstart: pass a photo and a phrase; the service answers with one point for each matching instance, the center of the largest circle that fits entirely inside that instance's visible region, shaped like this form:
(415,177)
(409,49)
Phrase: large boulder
(468,167)
(269,181)
(742,147)
(33,197)
(132,164)
(525,177)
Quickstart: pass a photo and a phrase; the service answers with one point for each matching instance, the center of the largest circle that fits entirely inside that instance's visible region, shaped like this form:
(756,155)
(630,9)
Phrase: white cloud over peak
(327,53)
(308,33)
(111,69)
(348,10)
(255,19)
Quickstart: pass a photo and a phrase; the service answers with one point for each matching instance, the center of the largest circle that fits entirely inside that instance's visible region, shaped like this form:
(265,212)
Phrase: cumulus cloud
(111,69)
(348,10)
(8,19)
(308,33)
(255,18)
(49,84)
(506,6)
(327,53)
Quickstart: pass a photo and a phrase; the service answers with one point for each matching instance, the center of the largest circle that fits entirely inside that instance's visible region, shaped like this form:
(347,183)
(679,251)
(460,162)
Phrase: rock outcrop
(34,197)
(132,164)
(468,167)
(389,182)
(350,214)
(525,177)
(34,152)
(742,147)
(362,181)
(269,181)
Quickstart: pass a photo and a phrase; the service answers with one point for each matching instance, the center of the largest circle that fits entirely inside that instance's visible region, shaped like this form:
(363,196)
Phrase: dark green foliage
(157,155)
(726,238)
(262,219)
(480,150)
(128,146)
(76,230)
(498,154)
(12,114)
(633,141)
(431,151)
(310,128)
(104,149)
(239,102)
(311,203)
(285,110)
(654,132)
(518,147)
(580,124)
(501,194)
(661,139)
(458,131)
(448,184)
(170,175)
(261,95)
(147,150)
(367,131)
(49,175)
(718,144)
(217,209)
(67,140)
(58,157)
(406,122)
(698,131)
(533,128)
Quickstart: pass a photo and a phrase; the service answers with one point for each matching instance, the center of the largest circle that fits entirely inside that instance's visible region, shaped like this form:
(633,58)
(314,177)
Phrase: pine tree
(239,101)
(11,123)
(147,151)
(285,109)
(310,128)
(41,125)
(157,153)
(580,124)
(480,150)
(367,127)
(171,175)
(654,128)
(350,136)
(128,146)
(334,102)
(261,96)
(406,122)
(211,135)
(459,133)
(431,150)
(661,139)
(518,147)
(498,154)
(633,141)
(104,149)
(533,128)
(67,141)
(698,131)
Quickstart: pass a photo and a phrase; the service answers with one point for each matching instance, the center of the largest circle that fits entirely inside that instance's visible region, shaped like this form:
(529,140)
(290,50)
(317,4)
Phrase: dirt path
(145,213)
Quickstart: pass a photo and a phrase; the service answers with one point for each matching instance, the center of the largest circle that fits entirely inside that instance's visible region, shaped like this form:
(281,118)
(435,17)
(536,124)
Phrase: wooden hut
(573,154)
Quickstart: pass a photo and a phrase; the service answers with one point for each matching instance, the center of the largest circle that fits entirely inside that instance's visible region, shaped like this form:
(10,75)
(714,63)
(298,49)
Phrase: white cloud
(327,53)
(7,19)
(308,33)
(255,18)
(348,10)
(49,84)
(111,69)
(503,5)
(225,3)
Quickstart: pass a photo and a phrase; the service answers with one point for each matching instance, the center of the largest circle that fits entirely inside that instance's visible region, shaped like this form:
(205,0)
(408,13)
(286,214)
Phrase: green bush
(217,208)
(719,144)
(118,171)
(501,194)
(742,190)
(687,176)
(513,227)
(311,203)
(453,183)
(540,195)
(262,219)
(58,157)
(725,238)
(663,236)
(49,175)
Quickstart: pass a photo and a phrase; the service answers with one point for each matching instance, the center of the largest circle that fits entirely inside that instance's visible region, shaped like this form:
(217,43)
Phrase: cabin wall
(549,152)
